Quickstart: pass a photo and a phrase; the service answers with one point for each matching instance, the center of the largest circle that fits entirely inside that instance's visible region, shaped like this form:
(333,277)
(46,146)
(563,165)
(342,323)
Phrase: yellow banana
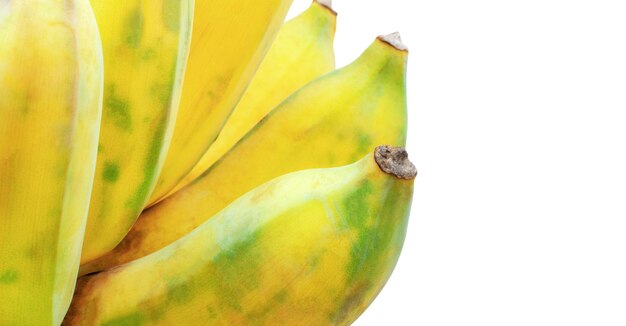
(332,121)
(145,47)
(309,248)
(229,41)
(302,51)
(51,77)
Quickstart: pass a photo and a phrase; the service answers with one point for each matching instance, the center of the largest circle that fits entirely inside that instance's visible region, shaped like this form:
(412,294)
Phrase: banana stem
(326,3)
(394,40)
(395,161)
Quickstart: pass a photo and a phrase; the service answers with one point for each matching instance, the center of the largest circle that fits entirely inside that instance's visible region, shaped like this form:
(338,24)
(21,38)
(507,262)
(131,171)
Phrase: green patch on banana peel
(137,200)
(9,276)
(132,319)
(117,109)
(179,293)
(243,255)
(111,172)
(364,143)
(171,14)
(134,28)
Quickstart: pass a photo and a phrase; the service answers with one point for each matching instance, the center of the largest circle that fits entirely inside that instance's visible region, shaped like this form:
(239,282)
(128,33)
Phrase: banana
(51,77)
(312,247)
(302,51)
(229,41)
(146,44)
(332,121)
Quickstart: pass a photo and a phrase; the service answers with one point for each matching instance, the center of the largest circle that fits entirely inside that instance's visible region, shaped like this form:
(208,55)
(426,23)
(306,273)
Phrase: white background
(518,129)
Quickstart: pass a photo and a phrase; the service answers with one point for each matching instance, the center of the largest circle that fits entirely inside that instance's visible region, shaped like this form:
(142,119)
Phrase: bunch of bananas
(165,162)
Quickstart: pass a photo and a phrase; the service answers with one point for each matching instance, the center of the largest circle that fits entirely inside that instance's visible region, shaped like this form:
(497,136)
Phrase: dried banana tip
(395,161)
(326,3)
(394,40)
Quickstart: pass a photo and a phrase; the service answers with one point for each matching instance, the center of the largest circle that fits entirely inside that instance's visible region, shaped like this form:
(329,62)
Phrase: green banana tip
(395,161)
(394,40)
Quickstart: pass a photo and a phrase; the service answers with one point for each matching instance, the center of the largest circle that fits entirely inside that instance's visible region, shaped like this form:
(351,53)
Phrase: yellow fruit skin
(302,51)
(332,121)
(145,43)
(51,77)
(229,41)
(309,248)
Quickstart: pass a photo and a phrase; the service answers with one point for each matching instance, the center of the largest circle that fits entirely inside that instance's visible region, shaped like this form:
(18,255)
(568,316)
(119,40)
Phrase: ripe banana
(309,248)
(51,77)
(145,47)
(315,127)
(229,41)
(302,51)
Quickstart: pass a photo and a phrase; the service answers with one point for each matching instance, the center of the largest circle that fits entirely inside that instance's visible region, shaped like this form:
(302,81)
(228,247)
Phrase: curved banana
(302,51)
(315,127)
(51,76)
(229,41)
(145,45)
(309,248)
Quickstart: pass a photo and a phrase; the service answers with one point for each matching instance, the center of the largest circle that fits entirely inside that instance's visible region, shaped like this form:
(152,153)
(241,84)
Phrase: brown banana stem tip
(395,161)
(394,40)
(328,4)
